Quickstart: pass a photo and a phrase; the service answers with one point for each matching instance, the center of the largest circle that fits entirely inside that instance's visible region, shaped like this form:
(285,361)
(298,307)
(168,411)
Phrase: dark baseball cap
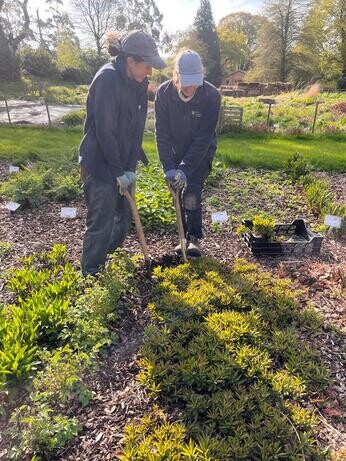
(139,43)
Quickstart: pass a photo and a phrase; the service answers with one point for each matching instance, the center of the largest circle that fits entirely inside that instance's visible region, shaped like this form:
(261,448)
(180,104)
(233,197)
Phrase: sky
(179,14)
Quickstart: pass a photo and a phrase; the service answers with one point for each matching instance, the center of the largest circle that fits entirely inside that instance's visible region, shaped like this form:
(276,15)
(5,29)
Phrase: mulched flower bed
(118,397)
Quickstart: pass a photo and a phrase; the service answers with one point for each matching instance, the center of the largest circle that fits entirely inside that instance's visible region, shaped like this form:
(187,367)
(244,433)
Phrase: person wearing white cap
(186,114)
(112,143)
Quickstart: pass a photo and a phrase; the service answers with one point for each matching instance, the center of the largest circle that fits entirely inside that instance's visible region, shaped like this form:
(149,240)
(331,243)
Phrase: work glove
(180,179)
(123,183)
(131,176)
(170,175)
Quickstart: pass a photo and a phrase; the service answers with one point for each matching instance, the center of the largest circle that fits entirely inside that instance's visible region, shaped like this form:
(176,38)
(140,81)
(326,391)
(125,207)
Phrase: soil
(119,399)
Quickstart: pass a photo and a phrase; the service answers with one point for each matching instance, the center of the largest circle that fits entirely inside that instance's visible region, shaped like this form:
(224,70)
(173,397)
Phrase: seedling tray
(300,240)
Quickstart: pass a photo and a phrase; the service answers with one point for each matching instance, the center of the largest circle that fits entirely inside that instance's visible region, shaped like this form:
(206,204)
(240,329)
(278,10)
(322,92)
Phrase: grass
(37,143)
(269,151)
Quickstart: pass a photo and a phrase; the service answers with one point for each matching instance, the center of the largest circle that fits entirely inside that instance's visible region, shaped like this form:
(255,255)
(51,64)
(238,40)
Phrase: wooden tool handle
(180,226)
(138,223)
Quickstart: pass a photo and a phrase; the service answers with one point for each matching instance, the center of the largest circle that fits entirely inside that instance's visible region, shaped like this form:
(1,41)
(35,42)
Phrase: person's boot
(193,248)
(178,249)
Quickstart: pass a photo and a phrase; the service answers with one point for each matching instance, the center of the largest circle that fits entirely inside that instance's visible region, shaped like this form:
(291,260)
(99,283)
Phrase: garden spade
(131,197)
(176,200)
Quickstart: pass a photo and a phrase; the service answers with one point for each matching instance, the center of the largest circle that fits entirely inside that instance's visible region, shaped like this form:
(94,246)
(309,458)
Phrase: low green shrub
(28,187)
(296,167)
(74,118)
(32,187)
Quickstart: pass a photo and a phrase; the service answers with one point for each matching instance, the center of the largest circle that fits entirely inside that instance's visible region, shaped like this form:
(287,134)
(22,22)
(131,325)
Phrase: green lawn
(43,143)
(325,152)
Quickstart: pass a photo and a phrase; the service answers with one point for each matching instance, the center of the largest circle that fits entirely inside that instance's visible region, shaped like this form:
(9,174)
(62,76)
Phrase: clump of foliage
(49,337)
(225,352)
(297,167)
(5,249)
(153,198)
(264,226)
(32,187)
(74,118)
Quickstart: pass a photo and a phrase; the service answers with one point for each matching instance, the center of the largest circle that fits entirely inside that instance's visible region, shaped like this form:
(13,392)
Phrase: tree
(140,14)
(206,34)
(96,17)
(14,29)
(234,50)
(277,39)
(266,60)
(243,23)
(309,49)
(57,23)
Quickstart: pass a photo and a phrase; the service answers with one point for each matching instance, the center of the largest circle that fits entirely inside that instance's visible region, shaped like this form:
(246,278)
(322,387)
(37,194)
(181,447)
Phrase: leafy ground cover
(51,334)
(224,352)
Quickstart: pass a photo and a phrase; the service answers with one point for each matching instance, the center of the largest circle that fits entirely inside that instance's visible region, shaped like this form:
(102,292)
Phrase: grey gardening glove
(180,179)
(131,175)
(123,183)
(170,175)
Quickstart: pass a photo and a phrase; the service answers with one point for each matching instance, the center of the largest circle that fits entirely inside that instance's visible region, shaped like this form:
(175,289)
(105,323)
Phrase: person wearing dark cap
(112,143)
(186,113)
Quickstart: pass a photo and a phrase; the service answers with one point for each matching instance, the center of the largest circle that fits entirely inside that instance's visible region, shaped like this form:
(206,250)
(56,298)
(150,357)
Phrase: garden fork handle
(180,226)
(139,228)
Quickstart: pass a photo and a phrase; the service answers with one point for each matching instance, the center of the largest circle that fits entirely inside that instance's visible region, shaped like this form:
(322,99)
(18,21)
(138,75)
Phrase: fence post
(49,121)
(268,117)
(8,112)
(315,116)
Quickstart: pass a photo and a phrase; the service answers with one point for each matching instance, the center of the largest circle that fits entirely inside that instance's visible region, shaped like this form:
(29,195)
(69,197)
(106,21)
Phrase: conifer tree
(207,36)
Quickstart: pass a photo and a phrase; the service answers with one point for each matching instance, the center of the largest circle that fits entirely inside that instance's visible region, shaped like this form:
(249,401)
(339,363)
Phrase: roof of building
(234,72)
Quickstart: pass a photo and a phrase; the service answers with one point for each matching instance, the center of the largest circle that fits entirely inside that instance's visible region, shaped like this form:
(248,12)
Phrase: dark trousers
(191,200)
(108,221)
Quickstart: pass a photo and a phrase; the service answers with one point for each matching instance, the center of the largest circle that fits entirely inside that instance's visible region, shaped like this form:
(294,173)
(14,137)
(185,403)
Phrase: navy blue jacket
(185,131)
(113,130)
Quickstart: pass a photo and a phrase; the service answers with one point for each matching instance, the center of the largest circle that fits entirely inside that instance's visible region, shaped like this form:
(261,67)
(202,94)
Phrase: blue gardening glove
(170,175)
(131,176)
(180,179)
(123,183)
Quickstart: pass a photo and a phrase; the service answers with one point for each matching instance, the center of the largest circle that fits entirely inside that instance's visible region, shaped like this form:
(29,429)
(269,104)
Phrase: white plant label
(219,217)
(13,169)
(276,125)
(67,212)
(332,221)
(12,206)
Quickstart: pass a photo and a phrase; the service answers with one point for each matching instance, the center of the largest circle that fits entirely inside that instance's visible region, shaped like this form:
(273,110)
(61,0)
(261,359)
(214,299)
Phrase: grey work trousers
(108,221)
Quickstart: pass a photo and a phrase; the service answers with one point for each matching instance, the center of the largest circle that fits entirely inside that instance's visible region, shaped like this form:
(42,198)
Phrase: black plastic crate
(300,240)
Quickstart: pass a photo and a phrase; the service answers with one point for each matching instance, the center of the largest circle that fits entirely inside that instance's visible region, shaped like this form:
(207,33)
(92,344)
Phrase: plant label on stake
(67,212)
(332,221)
(219,217)
(12,206)
(13,169)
